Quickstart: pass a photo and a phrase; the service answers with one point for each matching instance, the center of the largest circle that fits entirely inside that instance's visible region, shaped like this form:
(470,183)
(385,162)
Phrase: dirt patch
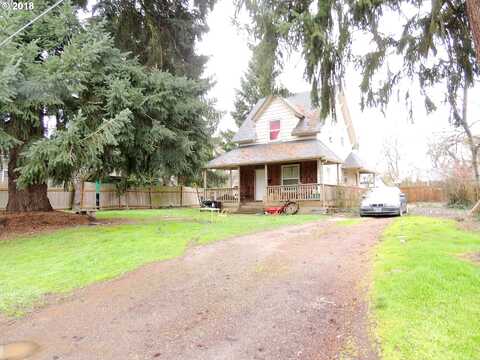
(12,225)
(472,257)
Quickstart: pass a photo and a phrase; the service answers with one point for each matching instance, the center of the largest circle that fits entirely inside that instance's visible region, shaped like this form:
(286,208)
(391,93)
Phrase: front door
(259,184)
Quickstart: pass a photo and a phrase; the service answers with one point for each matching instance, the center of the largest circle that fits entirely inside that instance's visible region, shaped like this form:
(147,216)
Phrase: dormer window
(274,129)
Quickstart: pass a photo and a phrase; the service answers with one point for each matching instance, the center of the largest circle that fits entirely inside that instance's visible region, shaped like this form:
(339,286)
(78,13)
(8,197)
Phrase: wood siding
(350,177)
(274,174)
(276,110)
(308,172)
(247,183)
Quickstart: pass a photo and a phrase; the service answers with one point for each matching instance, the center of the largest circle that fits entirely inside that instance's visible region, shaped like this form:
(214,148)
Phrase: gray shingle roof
(354,161)
(274,153)
(310,124)
(247,133)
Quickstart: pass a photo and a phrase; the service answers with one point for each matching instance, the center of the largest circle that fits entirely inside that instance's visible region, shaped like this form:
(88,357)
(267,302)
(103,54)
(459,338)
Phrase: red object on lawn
(274,210)
(289,208)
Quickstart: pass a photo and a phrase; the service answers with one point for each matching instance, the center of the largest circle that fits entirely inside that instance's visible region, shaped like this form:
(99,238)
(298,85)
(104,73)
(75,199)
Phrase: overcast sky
(229,56)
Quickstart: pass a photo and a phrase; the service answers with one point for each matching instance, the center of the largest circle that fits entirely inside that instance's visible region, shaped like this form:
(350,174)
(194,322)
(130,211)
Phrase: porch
(308,195)
(268,174)
(307,182)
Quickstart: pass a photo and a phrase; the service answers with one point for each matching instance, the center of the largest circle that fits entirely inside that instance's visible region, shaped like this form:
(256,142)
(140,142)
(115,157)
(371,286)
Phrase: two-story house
(285,152)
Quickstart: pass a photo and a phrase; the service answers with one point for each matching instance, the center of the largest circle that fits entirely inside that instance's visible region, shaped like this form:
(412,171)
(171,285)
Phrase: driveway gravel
(294,293)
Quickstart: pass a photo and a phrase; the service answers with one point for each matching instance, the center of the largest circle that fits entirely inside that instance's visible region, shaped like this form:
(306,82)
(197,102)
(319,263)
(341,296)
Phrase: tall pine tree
(435,46)
(162,33)
(112,114)
(260,78)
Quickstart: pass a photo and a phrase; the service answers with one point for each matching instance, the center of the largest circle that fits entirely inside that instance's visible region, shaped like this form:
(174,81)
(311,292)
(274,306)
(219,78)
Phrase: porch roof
(355,162)
(273,153)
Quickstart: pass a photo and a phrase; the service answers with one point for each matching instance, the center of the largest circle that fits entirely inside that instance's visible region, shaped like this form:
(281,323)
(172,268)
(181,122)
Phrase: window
(290,174)
(274,129)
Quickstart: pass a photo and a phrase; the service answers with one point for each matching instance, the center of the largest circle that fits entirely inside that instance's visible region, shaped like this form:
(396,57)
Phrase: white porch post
(239,187)
(338,174)
(319,171)
(265,196)
(322,180)
(231,179)
(358,178)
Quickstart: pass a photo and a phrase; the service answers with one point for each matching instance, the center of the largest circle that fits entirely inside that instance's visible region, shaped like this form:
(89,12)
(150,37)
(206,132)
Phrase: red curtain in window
(274,129)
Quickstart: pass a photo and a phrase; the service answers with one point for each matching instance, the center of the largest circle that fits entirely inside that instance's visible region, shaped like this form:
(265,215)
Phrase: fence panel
(424,193)
(60,199)
(190,196)
(84,197)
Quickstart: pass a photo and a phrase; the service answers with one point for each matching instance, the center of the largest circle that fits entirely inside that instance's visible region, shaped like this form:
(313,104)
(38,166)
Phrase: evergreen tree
(162,33)
(259,80)
(111,113)
(435,45)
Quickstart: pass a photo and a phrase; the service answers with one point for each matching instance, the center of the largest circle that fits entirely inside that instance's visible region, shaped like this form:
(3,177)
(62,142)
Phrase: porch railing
(330,195)
(227,195)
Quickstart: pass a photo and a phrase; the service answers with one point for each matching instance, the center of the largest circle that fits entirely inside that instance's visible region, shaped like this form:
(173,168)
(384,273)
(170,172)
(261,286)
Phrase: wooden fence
(424,193)
(85,197)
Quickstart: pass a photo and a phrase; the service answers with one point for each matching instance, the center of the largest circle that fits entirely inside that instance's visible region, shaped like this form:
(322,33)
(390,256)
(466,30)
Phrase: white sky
(228,62)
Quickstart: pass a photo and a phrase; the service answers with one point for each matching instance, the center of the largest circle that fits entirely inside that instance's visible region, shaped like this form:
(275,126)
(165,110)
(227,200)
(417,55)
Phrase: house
(285,152)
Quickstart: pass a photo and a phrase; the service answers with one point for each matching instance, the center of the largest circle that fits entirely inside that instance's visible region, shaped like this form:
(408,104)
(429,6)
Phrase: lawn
(426,296)
(63,260)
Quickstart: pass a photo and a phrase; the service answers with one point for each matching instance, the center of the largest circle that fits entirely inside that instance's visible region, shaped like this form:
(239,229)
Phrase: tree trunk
(471,140)
(473,11)
(31,198)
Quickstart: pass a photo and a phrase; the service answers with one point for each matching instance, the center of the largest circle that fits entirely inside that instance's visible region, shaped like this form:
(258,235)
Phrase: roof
(247,133)
(354,161)
(273,153)
(309,120)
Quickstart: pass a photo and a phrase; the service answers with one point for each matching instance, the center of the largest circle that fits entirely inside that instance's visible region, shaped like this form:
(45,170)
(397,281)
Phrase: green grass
(61,261)
(426,297)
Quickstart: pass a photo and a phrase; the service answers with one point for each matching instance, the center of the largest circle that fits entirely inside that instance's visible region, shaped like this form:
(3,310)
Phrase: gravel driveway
(292,293)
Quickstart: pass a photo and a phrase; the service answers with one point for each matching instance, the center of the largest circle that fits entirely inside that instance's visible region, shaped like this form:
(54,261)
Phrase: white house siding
(350,177)
(276,110)
(330,174)
(335,136)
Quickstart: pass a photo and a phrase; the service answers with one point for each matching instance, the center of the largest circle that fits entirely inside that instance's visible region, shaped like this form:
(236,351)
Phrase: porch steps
(252,207)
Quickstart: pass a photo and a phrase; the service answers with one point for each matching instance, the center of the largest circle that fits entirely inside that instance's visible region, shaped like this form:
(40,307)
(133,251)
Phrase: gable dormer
(277,119)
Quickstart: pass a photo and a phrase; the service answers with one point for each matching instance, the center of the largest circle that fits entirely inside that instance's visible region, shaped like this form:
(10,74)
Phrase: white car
(384,201)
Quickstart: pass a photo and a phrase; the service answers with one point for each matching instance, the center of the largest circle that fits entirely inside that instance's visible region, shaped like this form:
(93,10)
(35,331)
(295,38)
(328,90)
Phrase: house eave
(271,153)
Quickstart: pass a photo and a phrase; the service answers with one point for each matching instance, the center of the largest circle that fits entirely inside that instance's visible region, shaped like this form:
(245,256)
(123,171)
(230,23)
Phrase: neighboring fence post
(204,184)
(181,196)
(82,190)
(150,196)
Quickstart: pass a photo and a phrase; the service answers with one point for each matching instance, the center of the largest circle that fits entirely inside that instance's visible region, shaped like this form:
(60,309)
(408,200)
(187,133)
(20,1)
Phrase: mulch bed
(36,222)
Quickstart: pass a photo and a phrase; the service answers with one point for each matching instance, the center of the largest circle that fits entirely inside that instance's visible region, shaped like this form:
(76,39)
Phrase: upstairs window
(274,129)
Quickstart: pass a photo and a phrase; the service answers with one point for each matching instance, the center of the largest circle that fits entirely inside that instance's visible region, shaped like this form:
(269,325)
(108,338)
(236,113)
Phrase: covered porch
(284,174)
